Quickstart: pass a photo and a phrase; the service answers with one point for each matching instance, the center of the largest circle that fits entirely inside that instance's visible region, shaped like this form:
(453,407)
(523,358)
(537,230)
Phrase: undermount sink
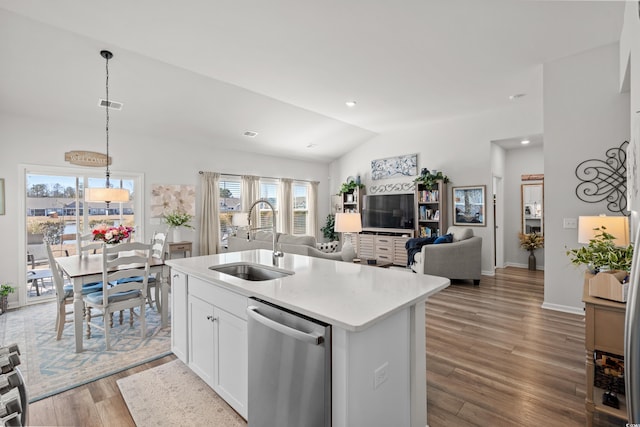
(249,271)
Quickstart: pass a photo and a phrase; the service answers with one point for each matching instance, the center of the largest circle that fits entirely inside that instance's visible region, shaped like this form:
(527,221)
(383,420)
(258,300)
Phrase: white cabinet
(218,341)
(179,315)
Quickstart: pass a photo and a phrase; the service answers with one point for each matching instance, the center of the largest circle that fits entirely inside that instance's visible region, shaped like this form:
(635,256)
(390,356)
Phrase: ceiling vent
(250,134)
(113,105)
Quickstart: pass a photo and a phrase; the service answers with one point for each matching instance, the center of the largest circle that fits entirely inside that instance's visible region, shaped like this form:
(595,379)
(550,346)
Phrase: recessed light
(250,134)
(525,142)
(517,95)
(350,104)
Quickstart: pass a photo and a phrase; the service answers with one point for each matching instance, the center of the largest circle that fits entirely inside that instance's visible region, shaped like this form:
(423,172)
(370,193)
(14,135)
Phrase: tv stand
(384,244)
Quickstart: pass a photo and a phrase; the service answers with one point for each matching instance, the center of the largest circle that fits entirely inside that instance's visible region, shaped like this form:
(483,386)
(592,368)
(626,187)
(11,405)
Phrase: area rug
(50,366)
(172,395)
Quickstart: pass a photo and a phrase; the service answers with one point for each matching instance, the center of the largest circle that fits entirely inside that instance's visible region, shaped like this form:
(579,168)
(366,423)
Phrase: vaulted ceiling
(206,71)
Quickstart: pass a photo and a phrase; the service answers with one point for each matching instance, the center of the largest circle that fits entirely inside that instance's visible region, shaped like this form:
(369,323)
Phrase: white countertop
(347,295)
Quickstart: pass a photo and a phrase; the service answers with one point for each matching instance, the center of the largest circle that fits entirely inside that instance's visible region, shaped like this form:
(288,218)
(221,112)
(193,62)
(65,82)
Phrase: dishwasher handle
(252,311)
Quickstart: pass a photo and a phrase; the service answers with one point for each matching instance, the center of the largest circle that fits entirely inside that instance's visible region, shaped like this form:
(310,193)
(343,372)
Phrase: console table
(182,247)
(604,332)
(385,245)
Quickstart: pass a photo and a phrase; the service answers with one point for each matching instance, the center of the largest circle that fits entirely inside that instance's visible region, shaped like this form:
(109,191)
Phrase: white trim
(563,308)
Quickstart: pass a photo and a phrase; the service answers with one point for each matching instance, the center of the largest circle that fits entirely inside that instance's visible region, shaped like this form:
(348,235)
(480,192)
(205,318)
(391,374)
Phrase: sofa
(460,259)
(289,244)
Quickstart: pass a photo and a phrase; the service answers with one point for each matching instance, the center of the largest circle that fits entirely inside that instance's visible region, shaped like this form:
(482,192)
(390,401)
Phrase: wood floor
(494,358)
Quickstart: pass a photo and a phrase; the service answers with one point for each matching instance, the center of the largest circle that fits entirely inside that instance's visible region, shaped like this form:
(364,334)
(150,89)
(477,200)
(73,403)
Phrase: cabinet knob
(210,318)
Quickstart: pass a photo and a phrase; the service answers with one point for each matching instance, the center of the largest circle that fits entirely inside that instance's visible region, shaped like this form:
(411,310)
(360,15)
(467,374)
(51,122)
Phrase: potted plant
(5,290)
(328,231)
(602,254)
(531,242)
(349,187)
(430,180)
(177,219)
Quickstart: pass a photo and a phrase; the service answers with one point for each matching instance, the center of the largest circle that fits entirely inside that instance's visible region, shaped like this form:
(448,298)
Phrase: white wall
(519,161)
(584,115)
(38,142)
(460,148)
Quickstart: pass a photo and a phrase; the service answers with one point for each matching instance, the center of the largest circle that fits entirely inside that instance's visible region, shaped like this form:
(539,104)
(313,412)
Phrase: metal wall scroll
(398,187)
(605,180)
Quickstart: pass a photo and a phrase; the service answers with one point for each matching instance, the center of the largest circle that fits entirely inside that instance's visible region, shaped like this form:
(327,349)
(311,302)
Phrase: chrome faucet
(276,254)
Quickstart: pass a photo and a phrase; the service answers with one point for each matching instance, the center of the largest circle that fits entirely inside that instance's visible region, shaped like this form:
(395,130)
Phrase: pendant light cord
(106,108)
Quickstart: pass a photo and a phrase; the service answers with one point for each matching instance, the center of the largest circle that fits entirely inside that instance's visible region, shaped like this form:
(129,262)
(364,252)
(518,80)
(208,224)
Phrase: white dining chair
(119,292)
(64,292)
(158,248)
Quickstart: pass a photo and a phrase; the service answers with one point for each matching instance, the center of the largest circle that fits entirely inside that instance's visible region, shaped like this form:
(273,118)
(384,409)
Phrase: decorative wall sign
(394,167)
(533,177)
(86,158)
(469,205)
(169,198)
(605,180)
(399,187)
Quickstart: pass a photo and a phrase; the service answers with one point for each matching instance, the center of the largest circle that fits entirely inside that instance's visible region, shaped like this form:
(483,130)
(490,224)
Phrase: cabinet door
(366,246)
(201,340)
(231,365)
(179,315)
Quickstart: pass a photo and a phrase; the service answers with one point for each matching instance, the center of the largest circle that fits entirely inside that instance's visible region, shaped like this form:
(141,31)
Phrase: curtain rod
(267,177)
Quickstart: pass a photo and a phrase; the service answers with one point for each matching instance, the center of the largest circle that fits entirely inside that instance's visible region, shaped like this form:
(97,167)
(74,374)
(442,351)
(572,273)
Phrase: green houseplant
(602,254)
(430,180)
(328,231)
(5,290)
(348,187)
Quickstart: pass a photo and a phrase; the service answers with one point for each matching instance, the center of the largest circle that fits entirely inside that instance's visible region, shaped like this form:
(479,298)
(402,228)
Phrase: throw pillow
(460,233)
(447,238)
(328,247)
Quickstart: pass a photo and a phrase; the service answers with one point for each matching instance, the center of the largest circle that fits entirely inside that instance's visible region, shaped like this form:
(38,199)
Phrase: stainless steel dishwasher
(289,368)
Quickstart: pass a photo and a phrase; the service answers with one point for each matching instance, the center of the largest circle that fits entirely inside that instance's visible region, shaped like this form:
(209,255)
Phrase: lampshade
(106,195)
(617,226)
(348,223)
(240,219)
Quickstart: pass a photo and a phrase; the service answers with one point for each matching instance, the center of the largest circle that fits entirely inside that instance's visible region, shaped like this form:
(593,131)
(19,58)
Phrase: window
(229,204)
(300,208)
(269,191)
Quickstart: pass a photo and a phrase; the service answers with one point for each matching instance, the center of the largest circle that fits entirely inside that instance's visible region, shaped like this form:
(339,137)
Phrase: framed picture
(394,167)
(2,210)
(469,206)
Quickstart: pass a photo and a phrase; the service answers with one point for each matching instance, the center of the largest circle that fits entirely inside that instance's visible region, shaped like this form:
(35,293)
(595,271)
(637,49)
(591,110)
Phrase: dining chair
(118,293)
(64,292)
(86,245)
(158,248)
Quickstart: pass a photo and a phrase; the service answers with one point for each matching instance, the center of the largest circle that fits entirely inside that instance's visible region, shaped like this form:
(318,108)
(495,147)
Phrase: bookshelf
(431,210)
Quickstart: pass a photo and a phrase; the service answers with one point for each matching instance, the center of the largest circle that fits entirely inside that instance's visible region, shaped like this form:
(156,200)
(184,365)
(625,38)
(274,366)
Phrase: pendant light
(106,194)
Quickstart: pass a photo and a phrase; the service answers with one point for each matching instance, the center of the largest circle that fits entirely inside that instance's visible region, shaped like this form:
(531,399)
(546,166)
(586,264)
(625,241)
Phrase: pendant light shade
(106,194)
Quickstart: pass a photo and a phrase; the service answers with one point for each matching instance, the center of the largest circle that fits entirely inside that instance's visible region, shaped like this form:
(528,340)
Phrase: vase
(4,304)
(532,261)
(177,235)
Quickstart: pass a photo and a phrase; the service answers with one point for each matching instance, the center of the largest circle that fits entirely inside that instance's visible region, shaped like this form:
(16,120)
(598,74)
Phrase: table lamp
(348,223)
(239,220)
(617,226)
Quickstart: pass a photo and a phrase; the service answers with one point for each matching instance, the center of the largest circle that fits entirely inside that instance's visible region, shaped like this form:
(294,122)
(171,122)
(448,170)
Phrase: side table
(604,332)
(182,247)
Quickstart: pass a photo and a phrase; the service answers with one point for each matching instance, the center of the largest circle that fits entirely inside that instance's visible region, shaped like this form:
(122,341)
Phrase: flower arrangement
(112,234)
(178,219)
(531,241)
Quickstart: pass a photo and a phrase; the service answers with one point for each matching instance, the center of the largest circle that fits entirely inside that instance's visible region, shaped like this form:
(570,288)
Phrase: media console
(384,244)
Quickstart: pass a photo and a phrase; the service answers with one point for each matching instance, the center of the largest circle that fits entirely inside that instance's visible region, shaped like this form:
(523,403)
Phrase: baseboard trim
(563,308)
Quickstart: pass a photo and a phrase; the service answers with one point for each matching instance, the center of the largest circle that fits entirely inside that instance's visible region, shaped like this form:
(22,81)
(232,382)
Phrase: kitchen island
(377,317)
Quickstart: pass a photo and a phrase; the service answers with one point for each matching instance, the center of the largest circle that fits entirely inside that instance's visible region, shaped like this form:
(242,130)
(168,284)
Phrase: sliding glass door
(55,211)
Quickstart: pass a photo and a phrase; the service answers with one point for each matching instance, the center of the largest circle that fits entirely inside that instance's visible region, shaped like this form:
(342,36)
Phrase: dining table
(88,269)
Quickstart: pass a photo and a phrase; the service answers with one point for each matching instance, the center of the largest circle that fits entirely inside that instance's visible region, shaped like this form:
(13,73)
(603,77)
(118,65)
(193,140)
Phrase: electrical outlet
(380,375)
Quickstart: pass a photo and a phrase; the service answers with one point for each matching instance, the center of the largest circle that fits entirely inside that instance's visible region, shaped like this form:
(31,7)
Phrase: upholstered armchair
(460,259)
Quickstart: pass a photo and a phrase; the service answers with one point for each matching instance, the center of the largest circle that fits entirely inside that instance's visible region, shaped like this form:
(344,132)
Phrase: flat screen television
(388,211)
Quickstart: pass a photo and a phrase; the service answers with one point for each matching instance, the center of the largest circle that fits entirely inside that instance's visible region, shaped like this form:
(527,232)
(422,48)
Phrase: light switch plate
(570,223)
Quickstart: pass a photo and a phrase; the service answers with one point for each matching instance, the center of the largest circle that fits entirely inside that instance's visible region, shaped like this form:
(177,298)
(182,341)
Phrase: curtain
(285,206)
(209,214)
(313,208)
(249,193)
